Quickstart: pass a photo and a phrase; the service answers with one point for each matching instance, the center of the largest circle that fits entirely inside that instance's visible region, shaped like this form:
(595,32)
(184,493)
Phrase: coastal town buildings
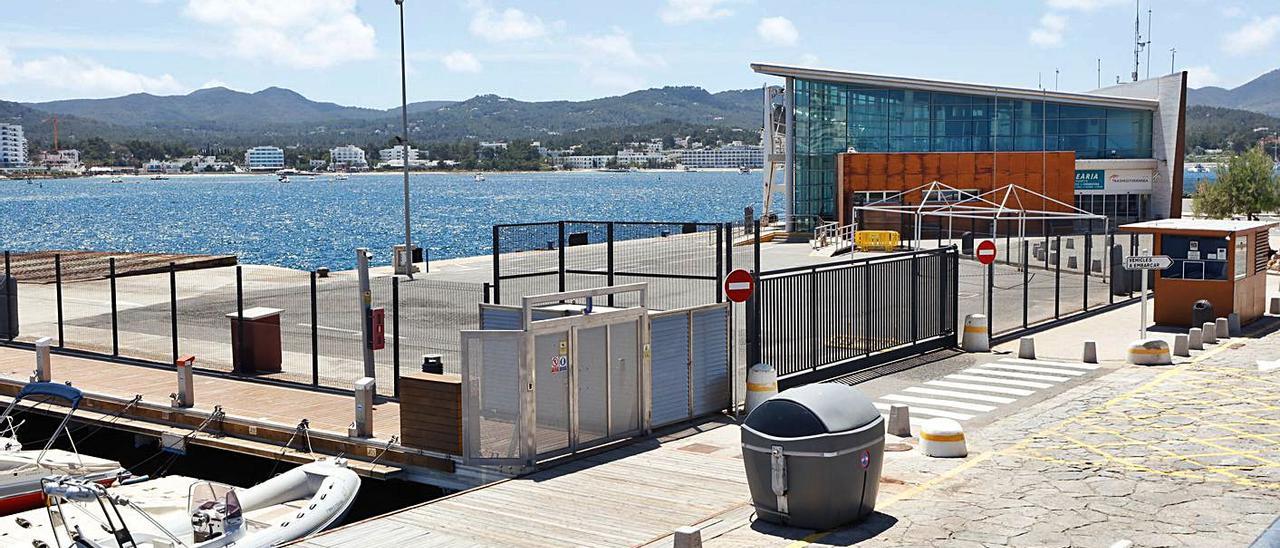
(13,147)
(394,157)
(348,157)
(596,161)
(62,161)
(735,154)
(264,158)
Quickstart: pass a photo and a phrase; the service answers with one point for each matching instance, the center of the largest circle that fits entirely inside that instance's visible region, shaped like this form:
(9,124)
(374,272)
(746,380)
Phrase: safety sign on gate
(559,363)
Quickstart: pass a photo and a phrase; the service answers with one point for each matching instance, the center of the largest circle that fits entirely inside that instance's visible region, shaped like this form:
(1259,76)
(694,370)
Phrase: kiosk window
(1194,257)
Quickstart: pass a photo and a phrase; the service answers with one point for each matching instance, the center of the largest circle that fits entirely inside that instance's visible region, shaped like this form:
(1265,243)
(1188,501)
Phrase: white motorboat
(283,178)
(479,177)
(293,505)
(117,180)
(340,177)
(21,470)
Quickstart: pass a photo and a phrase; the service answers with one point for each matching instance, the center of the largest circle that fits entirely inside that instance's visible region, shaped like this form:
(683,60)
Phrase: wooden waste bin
(261,351)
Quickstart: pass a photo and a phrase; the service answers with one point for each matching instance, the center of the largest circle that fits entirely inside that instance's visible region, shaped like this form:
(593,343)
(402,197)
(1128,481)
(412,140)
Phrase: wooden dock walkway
(38,266)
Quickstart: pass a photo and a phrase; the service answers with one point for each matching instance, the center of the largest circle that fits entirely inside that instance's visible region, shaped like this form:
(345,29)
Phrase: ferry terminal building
(855,138)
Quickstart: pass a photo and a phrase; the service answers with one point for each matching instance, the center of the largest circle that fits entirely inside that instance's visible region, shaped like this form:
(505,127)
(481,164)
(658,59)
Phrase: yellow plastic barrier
(884,240)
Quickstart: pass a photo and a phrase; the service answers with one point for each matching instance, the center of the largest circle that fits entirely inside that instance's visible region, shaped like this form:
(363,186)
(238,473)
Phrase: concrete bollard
(976,337)
(942,438)
(1209,332)
(899,421)
(1071,262)
(186,394)
(365,390)
(1180,346)
(44,368)
(1090,352)
(1027,348)
(1194,341)
(1221,328)
(1149,352)
(1233,324)
(688,537)
(762,384)
(1275,306)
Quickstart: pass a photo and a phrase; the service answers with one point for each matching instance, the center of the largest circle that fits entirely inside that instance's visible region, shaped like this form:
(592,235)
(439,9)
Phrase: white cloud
(679,12)
(778,31)
(610,61)
(1254,36)
(1049,33)
(82,77)
(1232,12)
(461,61)
(293,33)
(809,60)
(506,25)
(1200,76)
(1086,5)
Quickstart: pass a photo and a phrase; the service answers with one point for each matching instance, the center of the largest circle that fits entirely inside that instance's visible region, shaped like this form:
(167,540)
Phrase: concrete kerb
(1194,340)
(1027,348)
(1180,345)
(1090,353)
(1209,333)
(899,421)
(1222,328)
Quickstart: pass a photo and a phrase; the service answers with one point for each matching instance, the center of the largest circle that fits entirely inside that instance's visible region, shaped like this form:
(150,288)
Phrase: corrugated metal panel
(499,318)
(670,368)
(710,361)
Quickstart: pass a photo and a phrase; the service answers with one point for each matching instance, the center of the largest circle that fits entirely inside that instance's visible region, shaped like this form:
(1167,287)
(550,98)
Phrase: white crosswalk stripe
(982,388)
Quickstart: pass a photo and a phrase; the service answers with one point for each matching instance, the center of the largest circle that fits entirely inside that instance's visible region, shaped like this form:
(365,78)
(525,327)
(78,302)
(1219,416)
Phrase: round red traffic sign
(738,285)
(986,252)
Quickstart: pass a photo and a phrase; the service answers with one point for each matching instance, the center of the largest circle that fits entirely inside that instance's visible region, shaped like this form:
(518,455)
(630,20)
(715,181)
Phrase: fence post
(315,335)
(609,259)
(1057,277)
(487,286)
(497,267)
(813,318)
(1088,262)
(944,310)
(991,285)
(1111,267)
(6,263)
(1133,250)
(755,335)
(560,252)
(719,264)
(57,281)
(915,303)
(173,309)
(395,334)
(115,316)
(1026,276)
(238,359)
(866,310)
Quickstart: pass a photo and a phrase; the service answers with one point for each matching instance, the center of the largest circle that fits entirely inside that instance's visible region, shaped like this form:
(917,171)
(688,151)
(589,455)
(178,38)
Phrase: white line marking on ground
(957,394)
(930,412)
(942,403)
(1011,374)
(1085,366)
(999,381)
(1030,369)
(982,388)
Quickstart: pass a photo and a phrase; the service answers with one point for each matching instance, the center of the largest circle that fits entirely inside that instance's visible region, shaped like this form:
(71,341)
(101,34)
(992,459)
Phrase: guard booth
(560,374)
(1222,261)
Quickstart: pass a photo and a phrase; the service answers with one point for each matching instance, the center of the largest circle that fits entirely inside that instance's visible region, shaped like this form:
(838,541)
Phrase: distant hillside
(1262,94)
(1215,127)
(212,108)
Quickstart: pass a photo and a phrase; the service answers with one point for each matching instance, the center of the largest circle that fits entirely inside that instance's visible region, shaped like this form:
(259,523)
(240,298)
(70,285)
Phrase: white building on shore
(64,161)
(264,158)
(394,157)
(13,147)
(732,155)
(349,157)
(164,166)
(585,162)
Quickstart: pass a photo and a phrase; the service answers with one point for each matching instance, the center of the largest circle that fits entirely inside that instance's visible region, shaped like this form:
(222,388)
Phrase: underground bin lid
(813,409)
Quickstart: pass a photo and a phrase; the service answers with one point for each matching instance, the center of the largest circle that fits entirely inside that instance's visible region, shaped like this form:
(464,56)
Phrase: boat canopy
(52,389)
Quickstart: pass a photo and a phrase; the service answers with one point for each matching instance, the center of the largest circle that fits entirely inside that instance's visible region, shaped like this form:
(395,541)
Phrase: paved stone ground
(1187,455)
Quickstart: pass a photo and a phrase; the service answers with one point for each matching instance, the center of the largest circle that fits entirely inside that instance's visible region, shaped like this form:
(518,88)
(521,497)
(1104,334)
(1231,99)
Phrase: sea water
(320,221)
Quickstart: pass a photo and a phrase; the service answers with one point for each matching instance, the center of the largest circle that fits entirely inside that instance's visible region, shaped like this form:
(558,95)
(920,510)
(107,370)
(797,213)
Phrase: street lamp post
(407,264)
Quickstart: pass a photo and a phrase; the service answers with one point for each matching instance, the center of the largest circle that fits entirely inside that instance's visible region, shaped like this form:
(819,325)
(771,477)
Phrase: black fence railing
(155,318)
(684,263)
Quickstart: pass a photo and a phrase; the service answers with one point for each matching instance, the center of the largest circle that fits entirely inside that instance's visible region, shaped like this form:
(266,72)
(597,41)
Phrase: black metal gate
(813,323)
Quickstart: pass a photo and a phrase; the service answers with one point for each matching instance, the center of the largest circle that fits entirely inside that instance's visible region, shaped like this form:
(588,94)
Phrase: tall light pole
(1173,60)
(407,263)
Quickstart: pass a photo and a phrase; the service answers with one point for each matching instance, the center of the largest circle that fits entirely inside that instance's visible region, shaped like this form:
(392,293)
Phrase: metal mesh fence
(431,314)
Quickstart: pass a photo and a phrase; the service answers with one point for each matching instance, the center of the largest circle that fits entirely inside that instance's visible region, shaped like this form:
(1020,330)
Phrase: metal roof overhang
(826,75)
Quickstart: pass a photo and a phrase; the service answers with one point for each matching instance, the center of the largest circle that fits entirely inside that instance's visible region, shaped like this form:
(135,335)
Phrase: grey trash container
(813,456)
(1202,313)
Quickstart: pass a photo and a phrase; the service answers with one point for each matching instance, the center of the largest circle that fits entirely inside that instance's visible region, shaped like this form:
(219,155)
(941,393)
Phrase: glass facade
(830,118)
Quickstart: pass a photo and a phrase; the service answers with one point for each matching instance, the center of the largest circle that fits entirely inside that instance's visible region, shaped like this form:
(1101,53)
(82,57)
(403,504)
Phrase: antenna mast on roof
(1138,44)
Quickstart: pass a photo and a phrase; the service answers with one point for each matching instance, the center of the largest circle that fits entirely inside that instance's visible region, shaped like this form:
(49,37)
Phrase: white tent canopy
(1006,203)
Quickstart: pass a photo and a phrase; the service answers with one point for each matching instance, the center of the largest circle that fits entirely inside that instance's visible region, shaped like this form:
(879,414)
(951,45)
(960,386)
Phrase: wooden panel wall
(431,412)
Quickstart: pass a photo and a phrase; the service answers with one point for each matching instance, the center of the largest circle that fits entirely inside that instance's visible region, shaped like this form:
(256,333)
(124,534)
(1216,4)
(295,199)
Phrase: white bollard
(942,438)
(977,336)
(1222,328)
(1090,352)
(1209,333)
(186,394)
(1194,341)
(1275,306)
(365,390)
(762,384)
(899,421)
(1233,324)
(1149,352)
(1180,346)
(1027,348)
(688,537)
(44,368)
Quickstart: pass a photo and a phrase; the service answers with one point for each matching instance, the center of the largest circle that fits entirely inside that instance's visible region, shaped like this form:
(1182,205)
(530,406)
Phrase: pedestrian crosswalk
(982,389)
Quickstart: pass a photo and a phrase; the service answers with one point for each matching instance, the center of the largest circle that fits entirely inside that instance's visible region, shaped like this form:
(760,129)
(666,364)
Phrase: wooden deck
(633,495)
(38,266)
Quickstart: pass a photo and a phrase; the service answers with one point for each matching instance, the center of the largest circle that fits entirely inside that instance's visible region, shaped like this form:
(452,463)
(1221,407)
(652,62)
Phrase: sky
(348,51)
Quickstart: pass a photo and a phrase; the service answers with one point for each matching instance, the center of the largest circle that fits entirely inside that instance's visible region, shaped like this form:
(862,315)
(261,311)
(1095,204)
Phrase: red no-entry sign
(986,252)
(738,285)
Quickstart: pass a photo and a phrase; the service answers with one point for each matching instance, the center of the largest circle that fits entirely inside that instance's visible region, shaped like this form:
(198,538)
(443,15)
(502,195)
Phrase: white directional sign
(1155,262)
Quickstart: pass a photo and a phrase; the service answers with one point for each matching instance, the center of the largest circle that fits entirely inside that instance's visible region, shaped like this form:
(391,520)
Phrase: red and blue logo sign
(559,363)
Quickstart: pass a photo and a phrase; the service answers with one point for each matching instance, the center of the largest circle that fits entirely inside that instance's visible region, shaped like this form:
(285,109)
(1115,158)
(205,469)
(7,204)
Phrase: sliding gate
(818,322)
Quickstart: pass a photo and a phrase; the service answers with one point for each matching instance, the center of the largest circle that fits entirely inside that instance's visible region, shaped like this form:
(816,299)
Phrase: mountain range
(1262,94)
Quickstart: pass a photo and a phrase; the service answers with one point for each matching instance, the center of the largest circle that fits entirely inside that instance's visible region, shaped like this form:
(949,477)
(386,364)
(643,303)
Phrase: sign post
(739,285)
(986,254)
(1146,262)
